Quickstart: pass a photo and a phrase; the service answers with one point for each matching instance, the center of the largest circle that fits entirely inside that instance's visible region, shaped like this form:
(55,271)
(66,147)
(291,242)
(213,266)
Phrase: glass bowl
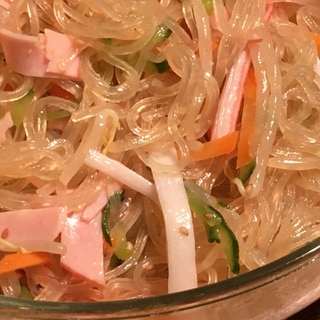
(275,291)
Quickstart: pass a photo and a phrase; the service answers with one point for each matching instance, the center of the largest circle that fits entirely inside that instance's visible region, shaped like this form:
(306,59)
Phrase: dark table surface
(310,313)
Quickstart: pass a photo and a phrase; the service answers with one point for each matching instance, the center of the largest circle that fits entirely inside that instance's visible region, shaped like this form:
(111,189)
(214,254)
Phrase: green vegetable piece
(120,247)
(150,68)
(162,33)
(113,203)
(216,228)
(19,108)
(208,4)
(246,171)
(121,250)
(153,67)
(131,58)
(107,41)
(212,234)
(162,66)
(222,204)
(57,114)
(25,293)
(114,262)
(230,247)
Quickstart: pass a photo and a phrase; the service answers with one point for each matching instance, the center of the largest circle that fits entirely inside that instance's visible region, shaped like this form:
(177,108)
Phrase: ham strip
(82,237)
(92,209)
(43,224)
(231,97)
(5,4)
(83,241)
(41,56)
(232,93)
(57,48)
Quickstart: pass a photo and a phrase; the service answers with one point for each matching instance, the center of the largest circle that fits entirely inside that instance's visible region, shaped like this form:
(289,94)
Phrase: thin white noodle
(97,128)
(268,67)
(18,93)
(52,247)
(33,16)
(204,35)
(121,173)
(141,94)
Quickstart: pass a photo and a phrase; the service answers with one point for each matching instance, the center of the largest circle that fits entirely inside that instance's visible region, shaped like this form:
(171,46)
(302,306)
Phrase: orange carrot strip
(19,260)
(214,43)
(107,246)
(216,147)
(316,38)
(248,119)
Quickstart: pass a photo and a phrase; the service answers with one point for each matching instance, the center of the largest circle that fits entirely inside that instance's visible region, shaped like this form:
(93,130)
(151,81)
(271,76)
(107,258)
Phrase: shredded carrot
(214,43)
(107,246)
(316,38)
(216,147)
(248,119)
(19,260)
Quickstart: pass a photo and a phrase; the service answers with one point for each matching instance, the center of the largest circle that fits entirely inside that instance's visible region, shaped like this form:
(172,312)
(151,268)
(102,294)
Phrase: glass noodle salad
(154,146)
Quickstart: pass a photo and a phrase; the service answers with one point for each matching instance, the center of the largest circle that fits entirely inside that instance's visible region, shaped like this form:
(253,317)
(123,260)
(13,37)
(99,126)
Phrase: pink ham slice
(41,56)
(43,224)
(82,238)
(98,204)
(25,54)
(91,210)
(83,241)
(58,47)
(5,4)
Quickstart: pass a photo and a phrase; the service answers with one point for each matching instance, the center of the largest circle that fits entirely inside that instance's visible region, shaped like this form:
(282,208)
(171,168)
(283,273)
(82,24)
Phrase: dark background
(310,313)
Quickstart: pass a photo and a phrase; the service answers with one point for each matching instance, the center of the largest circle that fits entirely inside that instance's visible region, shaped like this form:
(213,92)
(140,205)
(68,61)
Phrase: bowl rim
(199,296)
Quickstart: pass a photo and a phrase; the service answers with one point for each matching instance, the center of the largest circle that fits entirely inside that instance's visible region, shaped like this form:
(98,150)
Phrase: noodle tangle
(150,82)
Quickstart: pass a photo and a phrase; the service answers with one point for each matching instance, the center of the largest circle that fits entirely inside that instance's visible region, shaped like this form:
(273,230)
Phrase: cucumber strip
(162,33)
(120,246)
(113,202)
(19,108)
(208,4)
(114,262)
(25,293)
(246,171)
(216,228)
(121,250)
(57,114)
(162,66)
